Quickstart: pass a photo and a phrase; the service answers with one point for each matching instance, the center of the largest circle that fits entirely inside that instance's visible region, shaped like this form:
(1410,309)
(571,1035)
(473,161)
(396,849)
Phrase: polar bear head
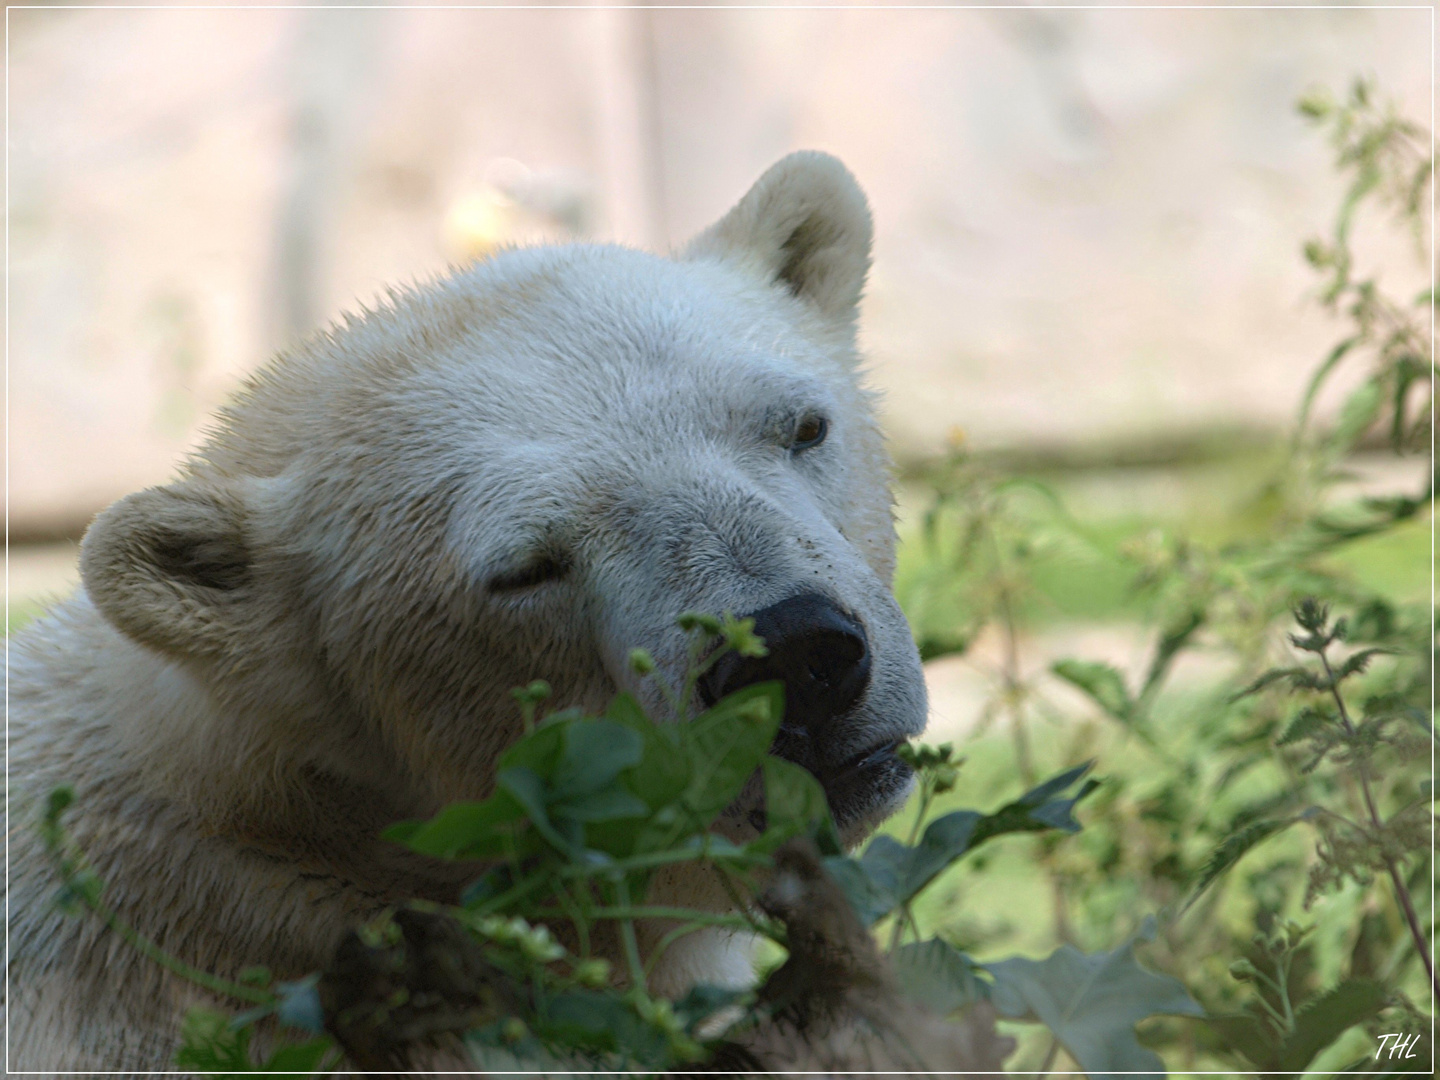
(524,471)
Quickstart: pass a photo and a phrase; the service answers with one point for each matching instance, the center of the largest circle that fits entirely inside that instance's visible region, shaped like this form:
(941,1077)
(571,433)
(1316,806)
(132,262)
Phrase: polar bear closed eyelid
(523,470)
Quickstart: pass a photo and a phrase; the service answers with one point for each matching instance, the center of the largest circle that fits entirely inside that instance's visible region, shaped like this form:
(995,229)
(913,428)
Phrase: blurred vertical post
(330,71)
(628,118)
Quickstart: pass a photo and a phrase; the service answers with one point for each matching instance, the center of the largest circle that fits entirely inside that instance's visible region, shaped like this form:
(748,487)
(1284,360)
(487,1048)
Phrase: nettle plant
(585,811)
(1275,808)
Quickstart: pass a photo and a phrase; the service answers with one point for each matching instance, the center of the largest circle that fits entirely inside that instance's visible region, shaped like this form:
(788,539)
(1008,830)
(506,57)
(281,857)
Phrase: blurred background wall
(1088,220)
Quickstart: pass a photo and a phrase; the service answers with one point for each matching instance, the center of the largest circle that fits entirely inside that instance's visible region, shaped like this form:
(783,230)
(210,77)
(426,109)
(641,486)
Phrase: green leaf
(528,789)
(890,874)
(300,1059)
(795,805)
(938,976)
(1249,1036)
(1308,721)
(1321,1020)
(1036,810)
(1091,1003)
(1317,380)
(727,743)
(612,804)
(1173,638)
(1357,414)
(1233,848)
(871,901)
(899,872)
(208,1043)
(539,751)
(468,830)
(594,753)
(1358,661)
(663,771)
(1103,683)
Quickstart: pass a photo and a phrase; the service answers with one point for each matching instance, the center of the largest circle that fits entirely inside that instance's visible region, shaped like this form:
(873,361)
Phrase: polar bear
(521,471)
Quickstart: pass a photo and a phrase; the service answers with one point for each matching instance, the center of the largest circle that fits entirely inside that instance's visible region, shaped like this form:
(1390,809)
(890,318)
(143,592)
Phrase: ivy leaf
(939,976)
(1102,683)
(1091,1004)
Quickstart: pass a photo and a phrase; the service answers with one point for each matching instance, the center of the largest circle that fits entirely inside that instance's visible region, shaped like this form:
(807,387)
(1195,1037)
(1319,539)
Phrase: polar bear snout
(822,657)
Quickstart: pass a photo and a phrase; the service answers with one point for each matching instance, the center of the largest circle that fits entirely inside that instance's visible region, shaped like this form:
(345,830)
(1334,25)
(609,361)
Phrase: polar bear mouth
(865,784)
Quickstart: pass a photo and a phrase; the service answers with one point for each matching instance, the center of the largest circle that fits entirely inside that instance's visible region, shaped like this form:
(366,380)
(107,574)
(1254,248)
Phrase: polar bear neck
(174,810)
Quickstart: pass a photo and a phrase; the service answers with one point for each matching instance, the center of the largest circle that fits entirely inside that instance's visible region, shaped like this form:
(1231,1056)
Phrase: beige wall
(1088,220)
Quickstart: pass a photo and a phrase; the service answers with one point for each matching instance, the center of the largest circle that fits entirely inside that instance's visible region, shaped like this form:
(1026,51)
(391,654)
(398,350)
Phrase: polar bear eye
(809,432)
(535,572)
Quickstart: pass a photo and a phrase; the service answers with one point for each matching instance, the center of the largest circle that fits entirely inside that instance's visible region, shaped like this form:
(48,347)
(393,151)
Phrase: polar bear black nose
(821,655)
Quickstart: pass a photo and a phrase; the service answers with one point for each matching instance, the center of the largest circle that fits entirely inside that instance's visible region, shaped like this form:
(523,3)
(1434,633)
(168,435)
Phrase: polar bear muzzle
(822,656)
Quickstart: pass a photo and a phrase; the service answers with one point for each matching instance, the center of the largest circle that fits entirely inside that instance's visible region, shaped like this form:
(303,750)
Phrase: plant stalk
(1402,894)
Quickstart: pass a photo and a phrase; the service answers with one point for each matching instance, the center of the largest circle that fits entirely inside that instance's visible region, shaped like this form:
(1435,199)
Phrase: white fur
(295,643)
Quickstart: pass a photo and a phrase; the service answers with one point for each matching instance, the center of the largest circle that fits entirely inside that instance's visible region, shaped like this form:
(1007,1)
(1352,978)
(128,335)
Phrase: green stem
(1049,1062)
(523,889)
(658,858)
(625,913)
(69,866)
(1402,894)
(668,940)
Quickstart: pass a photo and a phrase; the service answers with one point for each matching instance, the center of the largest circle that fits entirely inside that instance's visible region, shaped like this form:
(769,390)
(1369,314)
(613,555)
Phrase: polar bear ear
(168,566)
(804,226)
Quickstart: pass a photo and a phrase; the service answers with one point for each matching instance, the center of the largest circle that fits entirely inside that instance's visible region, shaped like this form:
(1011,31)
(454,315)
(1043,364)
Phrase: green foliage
(890,874)
(1091,1004)
(1273,758)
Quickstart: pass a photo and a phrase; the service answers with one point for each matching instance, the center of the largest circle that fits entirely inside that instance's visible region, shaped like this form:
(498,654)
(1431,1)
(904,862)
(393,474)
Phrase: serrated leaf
(938,976)
(1321,1020)
(1233,848)
(1091,1004)
(1247,1035)
(1307,722)
(1102,683)
(1358,662)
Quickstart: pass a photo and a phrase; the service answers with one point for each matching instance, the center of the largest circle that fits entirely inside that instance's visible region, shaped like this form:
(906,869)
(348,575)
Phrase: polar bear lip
(866,783)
